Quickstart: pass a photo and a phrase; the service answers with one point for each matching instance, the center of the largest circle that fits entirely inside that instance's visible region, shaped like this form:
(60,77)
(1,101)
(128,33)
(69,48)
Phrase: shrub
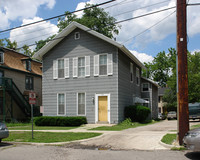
(60,121)
(136,113)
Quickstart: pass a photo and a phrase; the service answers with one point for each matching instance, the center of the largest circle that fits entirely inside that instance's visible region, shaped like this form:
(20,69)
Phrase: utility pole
(183,113)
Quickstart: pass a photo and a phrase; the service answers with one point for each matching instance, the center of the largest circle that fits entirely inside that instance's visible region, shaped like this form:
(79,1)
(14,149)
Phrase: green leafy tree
(95,18)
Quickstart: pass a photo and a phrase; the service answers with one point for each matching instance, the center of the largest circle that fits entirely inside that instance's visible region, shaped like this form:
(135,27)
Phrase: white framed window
(131,72)
(77,35)
(81,66)
(103,64)
(81,104)
(61,104)
(145,87)
(137,76)
(1,57)
(61,68)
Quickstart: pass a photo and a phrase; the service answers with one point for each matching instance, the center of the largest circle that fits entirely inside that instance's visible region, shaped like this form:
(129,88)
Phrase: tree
(161,68)
(94,18)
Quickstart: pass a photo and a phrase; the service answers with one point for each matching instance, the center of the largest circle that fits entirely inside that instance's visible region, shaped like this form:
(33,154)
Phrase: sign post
(32,100)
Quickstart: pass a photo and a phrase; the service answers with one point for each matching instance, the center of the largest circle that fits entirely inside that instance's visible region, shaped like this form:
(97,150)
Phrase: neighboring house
(161,104)
(88,74)
(150,94)
(19,75)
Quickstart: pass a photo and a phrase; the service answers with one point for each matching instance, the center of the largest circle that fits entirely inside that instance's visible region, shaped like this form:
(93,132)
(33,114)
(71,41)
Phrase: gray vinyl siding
(87,45)
(127,89)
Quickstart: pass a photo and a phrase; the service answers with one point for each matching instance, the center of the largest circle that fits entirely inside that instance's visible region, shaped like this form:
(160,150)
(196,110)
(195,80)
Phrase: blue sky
(144,47)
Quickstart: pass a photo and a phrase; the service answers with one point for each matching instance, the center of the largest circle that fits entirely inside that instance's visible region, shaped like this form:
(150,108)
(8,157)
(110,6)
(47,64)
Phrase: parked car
(171,115)
(4,133)
(194,111)
(192,140)
(161,116)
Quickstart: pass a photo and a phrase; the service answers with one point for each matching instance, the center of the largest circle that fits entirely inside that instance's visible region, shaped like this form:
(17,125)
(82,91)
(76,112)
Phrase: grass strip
(169,138)
(29,127)
(48,137)
(122,126)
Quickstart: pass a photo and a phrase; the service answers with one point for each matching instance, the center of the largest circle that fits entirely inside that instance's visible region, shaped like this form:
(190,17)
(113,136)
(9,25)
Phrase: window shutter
(55,69)
(75,67)
(96,65)
(109,64)
(66,64)
(87,66)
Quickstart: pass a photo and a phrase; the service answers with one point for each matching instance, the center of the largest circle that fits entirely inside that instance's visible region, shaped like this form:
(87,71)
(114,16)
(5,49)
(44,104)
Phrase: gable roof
(14,60)
(151,81)
(72,26)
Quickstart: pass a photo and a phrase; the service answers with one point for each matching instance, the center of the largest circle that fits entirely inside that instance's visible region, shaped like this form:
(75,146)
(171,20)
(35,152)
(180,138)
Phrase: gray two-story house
(88,74)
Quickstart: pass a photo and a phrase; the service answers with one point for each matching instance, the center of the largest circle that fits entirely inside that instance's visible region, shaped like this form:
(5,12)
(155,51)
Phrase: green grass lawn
(195,126)
(48,137)
(169,138)
(122,126)
(29,127)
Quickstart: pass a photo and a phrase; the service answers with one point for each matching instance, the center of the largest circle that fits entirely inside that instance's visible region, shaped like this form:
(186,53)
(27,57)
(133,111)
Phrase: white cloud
(11,10)
(157,33)
(196,50)
(36,32)
(142,57)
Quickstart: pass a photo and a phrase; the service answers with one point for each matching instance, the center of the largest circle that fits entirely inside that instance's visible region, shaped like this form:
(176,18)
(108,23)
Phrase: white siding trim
(75,67)
(109,64)
(87,66)
(64,105)
(96,65)
(66,66)
(96,106)
(55,69)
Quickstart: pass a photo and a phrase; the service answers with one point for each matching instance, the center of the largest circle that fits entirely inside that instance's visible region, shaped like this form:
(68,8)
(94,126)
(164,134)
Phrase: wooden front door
(103,108)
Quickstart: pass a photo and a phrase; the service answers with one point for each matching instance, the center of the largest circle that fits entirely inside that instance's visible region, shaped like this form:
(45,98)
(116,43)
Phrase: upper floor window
(145,87)
(28,65)
(137,76)
(103,64)
(29,83)
(131,72)
(77,35)
(81,66)
(1,57)
(61,68)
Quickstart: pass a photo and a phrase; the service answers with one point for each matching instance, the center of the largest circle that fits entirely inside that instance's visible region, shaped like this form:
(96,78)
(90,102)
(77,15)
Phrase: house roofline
(72,26)
(151,81)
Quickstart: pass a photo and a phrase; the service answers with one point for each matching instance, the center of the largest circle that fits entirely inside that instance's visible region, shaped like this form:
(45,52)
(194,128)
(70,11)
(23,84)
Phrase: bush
(60,121)
(136,113)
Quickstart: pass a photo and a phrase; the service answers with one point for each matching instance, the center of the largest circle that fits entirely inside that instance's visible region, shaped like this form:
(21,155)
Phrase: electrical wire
(150,27)
(57,16)
(116,22)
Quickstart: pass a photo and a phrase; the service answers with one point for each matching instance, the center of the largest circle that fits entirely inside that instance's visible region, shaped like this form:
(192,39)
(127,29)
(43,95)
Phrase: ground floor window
(81,103)
(61,104)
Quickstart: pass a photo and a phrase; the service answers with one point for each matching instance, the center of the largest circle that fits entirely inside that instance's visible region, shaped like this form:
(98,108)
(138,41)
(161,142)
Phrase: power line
(193,4)
(115,23)
(57,16)
(145,14)
(150,27)
(141,8)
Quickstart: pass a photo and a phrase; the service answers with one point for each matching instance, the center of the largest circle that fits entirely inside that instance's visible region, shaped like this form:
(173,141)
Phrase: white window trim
(148,87)
(77,33)
(64,105)
(2,57)
(64,67)
(77,104)
(96,106)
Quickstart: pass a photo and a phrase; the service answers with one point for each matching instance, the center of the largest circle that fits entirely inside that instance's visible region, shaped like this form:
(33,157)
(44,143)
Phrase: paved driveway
(141,138)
